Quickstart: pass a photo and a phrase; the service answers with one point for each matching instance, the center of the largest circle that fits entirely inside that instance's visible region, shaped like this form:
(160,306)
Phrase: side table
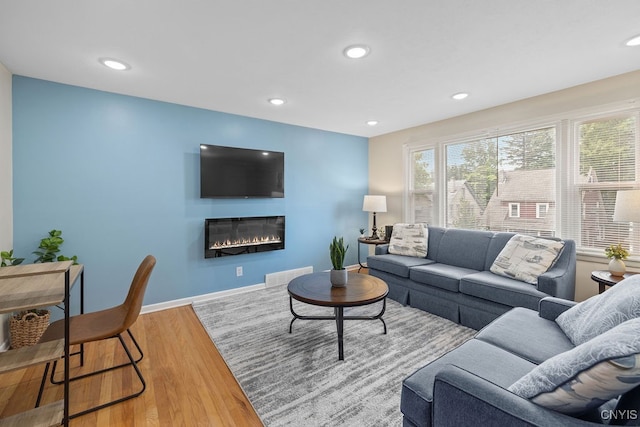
(367,241)
(604,278)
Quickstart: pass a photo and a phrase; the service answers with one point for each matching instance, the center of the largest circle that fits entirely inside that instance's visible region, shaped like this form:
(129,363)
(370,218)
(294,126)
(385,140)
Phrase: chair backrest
(133,302)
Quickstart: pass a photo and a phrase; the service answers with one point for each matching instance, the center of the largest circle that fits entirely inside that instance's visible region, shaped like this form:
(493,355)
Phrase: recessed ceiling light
(635,41)
(114,64)
(372,122)
(460,95)
(277,101)
(356,51)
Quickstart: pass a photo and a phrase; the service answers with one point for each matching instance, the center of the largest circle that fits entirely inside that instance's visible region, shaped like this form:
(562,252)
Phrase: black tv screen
(229,172)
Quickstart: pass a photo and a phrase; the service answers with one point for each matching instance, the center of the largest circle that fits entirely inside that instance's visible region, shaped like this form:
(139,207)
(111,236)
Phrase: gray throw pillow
(588,375)
(600,313)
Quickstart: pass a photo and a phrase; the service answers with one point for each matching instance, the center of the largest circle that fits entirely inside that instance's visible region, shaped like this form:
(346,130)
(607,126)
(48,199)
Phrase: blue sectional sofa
(580,370)
(454,280)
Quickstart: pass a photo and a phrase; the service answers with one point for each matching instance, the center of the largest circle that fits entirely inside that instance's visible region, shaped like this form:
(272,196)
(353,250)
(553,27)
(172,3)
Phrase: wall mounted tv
(229,172)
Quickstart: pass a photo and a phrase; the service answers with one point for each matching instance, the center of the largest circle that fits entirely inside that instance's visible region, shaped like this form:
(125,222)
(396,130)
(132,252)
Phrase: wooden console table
(25,287)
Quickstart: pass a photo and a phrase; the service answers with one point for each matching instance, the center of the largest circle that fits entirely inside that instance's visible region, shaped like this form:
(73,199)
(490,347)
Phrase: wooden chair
(101,325)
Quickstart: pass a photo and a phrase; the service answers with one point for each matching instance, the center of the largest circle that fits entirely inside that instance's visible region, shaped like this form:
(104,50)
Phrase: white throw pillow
(525,258)
(409,240)
(602,312)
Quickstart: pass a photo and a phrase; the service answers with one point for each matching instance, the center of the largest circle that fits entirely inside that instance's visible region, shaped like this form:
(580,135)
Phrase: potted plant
(7,259)
(616,253)
(338,251)
(50,246)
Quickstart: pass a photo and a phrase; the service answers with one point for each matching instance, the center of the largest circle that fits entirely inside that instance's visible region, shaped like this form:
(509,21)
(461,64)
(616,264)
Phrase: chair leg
(122,399)
(79,377)
(42,383)
(132,362)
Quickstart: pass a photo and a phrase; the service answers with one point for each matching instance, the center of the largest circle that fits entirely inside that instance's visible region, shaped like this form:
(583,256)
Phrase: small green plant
(338,251)
(362,230)
(8,259)
(617,252)
(50,246)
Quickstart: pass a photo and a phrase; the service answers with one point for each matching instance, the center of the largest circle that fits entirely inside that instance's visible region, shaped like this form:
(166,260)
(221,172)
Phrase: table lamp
(627,206)
(374,204)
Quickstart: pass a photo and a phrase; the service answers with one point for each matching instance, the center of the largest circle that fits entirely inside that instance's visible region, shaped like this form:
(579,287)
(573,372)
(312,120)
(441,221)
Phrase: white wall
(386,172)
(6,181)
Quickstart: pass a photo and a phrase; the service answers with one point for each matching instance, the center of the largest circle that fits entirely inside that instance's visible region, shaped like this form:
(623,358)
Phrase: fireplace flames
(253,241)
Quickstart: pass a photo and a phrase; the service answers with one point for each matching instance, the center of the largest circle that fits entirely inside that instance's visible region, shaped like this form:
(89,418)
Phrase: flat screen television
(230,172)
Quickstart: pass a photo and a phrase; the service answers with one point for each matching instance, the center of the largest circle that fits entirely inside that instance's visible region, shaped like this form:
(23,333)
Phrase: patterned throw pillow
(409,240)
(525,258)
(600,313)
(588,375)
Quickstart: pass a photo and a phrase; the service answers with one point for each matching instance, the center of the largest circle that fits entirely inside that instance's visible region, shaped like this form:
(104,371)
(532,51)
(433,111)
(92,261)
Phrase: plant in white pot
(338,251)
(616,254)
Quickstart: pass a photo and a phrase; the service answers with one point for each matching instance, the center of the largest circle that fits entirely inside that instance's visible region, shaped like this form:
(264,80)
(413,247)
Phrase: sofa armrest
(382,249)
(462,398)
(560,280)
(550,307)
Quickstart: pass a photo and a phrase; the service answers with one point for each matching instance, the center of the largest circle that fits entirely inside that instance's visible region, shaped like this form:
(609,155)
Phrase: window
(541,210)
(421,186)
(514,210)
(558,179)
(607,149)
(497,183)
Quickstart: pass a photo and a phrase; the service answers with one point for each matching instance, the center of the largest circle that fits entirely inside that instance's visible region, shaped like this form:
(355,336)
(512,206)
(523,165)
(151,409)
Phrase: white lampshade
(374,203)
(627,206)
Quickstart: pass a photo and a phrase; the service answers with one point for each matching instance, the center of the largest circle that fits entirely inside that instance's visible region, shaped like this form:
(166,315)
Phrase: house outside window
(495,172)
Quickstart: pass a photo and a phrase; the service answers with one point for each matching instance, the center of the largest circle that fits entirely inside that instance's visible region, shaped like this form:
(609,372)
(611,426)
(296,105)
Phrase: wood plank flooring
(188,382)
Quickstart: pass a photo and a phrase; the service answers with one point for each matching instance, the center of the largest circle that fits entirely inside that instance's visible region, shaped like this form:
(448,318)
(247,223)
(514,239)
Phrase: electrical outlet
(238,271)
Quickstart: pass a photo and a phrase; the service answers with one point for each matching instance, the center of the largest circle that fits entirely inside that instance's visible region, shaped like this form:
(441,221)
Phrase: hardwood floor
(188,382)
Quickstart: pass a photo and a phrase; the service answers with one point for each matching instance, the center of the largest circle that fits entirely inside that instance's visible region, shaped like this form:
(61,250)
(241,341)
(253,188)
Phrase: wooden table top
(603,276)
(369,241)
(316,289)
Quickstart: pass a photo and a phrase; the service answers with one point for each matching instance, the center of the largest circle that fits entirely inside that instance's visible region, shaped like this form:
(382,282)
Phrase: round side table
(604,278)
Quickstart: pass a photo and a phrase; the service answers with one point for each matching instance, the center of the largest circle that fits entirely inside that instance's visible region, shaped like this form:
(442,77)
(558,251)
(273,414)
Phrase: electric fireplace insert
(235,236)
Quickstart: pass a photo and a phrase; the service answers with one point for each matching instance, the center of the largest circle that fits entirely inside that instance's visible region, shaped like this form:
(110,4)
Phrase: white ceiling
(232,55)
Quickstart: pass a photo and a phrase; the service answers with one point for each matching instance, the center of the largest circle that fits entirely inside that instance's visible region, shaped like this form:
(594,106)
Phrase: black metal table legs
(339,317)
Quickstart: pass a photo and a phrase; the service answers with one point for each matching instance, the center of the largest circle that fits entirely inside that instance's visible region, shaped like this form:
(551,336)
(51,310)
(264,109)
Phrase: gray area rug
(296,379)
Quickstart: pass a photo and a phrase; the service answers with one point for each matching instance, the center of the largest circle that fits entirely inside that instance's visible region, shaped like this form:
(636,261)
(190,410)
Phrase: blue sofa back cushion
(588,375)
(600,313)
(464,248)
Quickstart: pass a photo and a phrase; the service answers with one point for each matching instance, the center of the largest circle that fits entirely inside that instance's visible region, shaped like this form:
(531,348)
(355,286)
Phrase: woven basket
(26,328)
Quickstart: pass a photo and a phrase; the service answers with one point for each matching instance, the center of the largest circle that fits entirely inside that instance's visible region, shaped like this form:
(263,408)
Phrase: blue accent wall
(119,176)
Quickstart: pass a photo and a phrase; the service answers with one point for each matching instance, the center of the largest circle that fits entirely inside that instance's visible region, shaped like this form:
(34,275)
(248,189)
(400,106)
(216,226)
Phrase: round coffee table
(316,289)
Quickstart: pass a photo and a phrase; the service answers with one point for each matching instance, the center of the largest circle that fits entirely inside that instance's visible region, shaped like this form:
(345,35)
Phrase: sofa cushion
(525,258)
(464,248)
(440,275)
(500,289)
(409,240)
(600,313)
(395,264)
(523,332)
(589,375)
(475,356)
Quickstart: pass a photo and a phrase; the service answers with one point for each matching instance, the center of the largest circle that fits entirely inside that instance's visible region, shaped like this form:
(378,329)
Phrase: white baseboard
(205,297)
